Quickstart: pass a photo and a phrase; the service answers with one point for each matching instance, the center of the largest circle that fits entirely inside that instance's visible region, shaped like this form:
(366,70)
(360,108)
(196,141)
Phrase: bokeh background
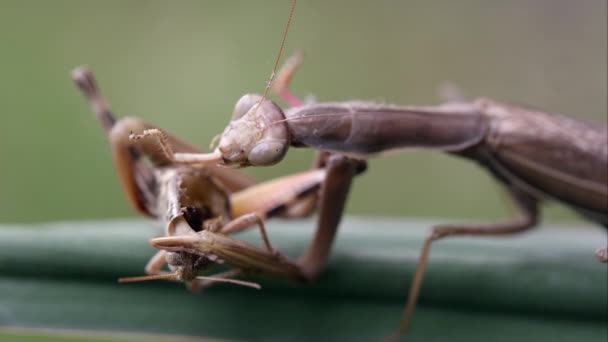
(182,65)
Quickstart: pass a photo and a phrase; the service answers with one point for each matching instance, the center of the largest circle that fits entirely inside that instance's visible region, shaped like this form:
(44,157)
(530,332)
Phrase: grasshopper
(536,155)
(202,204)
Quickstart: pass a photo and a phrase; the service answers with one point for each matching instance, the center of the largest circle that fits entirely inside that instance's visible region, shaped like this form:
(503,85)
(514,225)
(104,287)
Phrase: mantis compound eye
(244,104)
(267,153)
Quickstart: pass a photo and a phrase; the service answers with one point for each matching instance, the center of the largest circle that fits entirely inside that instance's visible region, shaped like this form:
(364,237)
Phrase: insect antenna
(318,115)
(303,117)
(276,62)
(231,281)
(176,276)
(165,276)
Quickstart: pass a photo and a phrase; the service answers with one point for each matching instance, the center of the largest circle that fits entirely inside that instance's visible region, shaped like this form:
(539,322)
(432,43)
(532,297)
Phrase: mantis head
(256,135)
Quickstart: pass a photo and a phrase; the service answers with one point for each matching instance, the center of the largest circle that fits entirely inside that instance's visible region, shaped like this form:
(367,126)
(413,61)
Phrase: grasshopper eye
(267,153)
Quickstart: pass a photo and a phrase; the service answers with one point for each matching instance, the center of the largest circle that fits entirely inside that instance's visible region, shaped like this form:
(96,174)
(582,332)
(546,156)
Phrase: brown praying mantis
(534,154)
(202,204)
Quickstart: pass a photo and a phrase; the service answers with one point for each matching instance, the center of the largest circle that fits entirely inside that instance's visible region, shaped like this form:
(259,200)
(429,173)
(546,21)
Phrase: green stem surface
(540,286)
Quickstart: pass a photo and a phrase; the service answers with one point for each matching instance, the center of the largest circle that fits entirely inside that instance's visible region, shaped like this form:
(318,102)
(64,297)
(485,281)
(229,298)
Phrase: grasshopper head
(181,260)
(188,265)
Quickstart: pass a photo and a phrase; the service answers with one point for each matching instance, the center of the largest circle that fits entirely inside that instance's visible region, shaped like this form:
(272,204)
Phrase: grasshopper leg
(245,221)
(136,176)
(527,207)
(127,157)
(305,206)
(156,263)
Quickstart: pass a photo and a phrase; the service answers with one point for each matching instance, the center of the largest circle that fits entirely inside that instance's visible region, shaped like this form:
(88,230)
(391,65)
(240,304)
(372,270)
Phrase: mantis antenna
(216,155)
(276,62)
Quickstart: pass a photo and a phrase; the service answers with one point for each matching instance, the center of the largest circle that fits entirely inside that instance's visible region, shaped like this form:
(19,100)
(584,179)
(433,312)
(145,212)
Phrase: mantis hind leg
(528,217)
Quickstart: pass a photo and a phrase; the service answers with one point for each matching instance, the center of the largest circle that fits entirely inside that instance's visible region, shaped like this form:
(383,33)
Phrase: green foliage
(545,285)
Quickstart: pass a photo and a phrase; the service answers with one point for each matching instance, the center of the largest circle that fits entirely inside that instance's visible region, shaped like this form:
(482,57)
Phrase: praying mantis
(535,155)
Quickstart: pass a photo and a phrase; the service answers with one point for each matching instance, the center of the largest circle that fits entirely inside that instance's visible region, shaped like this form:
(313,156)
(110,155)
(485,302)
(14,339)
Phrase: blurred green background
(182,65)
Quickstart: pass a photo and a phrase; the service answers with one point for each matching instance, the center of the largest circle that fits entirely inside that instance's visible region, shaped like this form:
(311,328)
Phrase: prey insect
(534,154)
(202,205)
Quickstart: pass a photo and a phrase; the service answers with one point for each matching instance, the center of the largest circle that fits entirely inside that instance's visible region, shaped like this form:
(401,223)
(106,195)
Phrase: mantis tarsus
(534,154)
(202,204)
